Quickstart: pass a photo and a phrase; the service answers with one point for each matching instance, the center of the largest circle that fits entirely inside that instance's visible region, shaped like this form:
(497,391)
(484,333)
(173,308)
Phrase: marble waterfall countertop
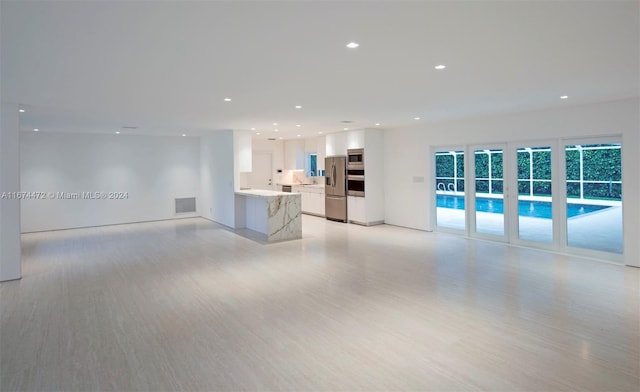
(276,215)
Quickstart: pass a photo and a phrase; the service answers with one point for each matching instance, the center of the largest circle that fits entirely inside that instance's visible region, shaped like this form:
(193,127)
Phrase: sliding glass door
(534,194)
(511,194)
(594,196)
(488,197)
(450,189)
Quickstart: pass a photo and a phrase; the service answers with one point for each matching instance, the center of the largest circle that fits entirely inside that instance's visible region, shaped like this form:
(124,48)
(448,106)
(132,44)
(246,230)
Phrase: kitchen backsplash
(295,177)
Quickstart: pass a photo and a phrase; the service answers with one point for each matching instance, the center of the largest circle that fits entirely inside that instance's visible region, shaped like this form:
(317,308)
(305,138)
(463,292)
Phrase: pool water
(535,209)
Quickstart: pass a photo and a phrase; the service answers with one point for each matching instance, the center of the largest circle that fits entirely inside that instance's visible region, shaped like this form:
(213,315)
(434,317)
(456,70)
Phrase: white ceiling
(166,66)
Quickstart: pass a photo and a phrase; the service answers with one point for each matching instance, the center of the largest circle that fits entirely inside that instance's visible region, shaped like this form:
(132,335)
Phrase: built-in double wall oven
(355,172)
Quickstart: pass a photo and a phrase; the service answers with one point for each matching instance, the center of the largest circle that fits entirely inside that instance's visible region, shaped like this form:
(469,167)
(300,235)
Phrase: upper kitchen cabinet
(356,139)
(336,144)
(339,143)
(294,154)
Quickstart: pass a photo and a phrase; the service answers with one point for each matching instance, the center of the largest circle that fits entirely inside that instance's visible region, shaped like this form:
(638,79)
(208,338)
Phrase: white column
(10,266)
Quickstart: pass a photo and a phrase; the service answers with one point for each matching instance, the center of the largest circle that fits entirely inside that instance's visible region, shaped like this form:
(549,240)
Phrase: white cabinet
(312,199)
(317,204)
(336,144)
(356,210)
(306,201)
(355,139)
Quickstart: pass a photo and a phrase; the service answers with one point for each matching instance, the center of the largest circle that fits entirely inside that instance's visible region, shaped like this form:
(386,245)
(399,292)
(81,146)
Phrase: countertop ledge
(263,193)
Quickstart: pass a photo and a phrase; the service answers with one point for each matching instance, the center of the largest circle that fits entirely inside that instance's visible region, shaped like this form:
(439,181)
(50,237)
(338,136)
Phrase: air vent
(185,205)
(129,127)
(346,121)
(271,138)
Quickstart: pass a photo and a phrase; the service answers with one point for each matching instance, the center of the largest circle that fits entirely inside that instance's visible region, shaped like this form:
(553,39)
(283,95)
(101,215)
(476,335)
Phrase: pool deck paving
(600,230)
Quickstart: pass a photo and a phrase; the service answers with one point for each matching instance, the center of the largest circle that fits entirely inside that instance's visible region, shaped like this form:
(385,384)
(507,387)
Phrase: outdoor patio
(600,230)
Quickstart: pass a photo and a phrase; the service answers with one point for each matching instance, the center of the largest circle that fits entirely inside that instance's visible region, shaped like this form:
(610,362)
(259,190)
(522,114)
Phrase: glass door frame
(557,203)
(616,258)
(470,170)
(434,187)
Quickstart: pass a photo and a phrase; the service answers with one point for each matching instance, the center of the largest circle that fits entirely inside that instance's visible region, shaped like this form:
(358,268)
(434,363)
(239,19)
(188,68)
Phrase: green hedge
(598,165)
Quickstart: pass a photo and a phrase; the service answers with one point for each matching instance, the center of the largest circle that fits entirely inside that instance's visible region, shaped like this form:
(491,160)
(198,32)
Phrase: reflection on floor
(189,305)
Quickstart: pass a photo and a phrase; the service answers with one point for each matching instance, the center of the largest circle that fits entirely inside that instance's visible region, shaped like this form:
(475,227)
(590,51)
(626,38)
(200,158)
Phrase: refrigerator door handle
(335,173)
(331,175)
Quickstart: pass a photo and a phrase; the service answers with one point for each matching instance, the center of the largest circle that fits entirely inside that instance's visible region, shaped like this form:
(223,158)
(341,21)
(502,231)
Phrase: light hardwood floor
(188,305)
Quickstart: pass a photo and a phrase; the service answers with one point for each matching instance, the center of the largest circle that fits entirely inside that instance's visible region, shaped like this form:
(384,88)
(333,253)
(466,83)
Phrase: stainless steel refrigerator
(335,199)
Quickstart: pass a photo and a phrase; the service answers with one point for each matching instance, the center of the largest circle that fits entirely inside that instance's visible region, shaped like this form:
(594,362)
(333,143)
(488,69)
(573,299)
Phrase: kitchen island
(276,215)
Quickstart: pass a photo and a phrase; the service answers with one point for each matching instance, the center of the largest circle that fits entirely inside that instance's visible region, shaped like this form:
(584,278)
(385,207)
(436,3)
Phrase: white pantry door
(261,175)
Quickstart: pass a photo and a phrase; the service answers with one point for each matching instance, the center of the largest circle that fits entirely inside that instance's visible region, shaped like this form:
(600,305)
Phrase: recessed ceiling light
(564,97)
(117,132)
(352,45)
(377,123)
(345,129)
(227,99)
(416,118)
(299,135)
(35,129)
(280,138)
(320,133)
(298,106)
(275,130)
(274,124)
(258,133)
(440,66)
(253,129)
(298,125)
(21,110)
(184,134)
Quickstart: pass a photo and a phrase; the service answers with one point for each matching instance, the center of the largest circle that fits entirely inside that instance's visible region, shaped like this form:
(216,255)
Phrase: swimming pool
(535,209)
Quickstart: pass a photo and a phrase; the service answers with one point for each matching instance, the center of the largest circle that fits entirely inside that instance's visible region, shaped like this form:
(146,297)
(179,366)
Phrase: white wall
(316,145)
(217,177)
(294,154)
(10,265)
(153,171)
(322,152)
(407,155)
(242,151)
